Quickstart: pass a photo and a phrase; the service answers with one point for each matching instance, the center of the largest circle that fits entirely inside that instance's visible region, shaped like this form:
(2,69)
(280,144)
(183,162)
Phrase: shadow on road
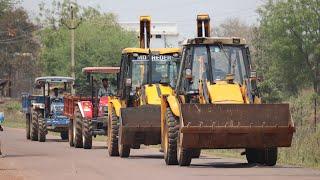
(223,165)
(158,156)
(24,155)
(56,140)
(235,165)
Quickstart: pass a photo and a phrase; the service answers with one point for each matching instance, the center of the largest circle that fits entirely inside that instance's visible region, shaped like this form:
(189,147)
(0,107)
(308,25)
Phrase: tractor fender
(174,105)
(114,103)
(86,109)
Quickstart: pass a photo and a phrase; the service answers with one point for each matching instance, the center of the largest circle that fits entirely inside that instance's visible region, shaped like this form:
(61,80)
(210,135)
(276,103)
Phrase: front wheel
(77,129)
(64,135)
(124,150)
(87,134)
(42,131)
(184,155)
(34,126)
(70,132)
(113,133)
(271,156)
(169,138)
(28,126)
(267,156)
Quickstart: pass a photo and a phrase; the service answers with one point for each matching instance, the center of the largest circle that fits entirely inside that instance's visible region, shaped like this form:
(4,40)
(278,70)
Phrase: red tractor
(88,114)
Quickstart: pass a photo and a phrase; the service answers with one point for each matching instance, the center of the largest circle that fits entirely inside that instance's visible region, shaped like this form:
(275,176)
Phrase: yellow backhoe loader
(216,104)
(145,75)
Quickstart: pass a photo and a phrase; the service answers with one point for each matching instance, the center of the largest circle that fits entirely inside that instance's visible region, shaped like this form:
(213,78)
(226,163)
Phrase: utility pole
(72,24)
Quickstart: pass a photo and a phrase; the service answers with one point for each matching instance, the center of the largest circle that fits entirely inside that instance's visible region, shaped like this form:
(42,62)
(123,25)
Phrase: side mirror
(188,73)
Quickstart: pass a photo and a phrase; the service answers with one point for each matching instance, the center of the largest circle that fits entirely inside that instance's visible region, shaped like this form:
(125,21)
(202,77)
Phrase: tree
(19,48)
(288,43)
(99,41)
(234,27)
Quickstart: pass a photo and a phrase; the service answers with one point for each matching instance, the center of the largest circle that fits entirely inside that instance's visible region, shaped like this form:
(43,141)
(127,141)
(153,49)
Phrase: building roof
(165,28)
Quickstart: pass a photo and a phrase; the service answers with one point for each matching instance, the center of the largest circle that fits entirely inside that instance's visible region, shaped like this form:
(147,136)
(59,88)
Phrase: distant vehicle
(88,115)
(45,112)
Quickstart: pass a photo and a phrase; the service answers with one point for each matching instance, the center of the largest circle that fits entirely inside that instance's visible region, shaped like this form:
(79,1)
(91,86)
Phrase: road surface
(55,160)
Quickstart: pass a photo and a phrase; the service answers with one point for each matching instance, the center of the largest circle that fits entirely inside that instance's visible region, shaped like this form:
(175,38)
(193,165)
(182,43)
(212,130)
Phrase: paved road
(56,160)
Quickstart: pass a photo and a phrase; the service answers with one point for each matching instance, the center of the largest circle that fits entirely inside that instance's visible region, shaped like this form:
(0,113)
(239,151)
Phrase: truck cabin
(137,62)
(213,60)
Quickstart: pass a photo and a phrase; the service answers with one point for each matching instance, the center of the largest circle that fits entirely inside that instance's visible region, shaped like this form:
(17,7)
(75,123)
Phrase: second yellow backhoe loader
(216,104)
(145,75)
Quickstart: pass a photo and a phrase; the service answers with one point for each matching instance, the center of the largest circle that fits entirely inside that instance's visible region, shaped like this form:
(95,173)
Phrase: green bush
(13,106)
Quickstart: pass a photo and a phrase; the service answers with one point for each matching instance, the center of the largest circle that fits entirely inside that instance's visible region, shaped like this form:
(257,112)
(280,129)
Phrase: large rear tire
(77,129)
(42,131)
(64,135)
(34,126)
(28,126)
(170,134)
(113,133)
(70,132)
(87,133)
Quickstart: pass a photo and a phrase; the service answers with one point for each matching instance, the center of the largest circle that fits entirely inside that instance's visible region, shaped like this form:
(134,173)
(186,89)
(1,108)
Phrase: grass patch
(14,118)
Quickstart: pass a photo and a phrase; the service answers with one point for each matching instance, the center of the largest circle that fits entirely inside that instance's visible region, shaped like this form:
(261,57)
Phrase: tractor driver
(55,93)
(104,90)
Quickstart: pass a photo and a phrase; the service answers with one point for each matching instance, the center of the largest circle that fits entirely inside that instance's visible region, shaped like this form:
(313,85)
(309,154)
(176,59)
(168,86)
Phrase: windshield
(164,70)
(224,60)
(227,60)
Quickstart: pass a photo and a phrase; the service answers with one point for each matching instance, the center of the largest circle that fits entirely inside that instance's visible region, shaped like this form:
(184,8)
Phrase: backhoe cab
(216,105)
(145,75)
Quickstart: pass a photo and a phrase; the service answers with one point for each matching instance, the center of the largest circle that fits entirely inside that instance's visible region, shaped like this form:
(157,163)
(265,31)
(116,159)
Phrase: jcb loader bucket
(236,125)
(140,125)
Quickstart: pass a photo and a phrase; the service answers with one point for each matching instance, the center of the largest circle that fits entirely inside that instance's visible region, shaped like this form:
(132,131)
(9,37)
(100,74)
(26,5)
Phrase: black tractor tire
(254,156)
(64,135)
(170,137)
(87,134)
(28,117)
(124,150)
(184,155)
(196,153)
(34,126)
(113,133)
(77,129)
(271,156)
(70,132)
(42,131)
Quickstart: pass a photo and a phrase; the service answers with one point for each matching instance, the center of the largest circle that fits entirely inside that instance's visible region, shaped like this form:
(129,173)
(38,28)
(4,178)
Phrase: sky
(182,12)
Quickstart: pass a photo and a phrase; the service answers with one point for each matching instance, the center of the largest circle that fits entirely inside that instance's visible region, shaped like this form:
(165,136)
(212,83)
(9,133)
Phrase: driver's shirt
(103,92)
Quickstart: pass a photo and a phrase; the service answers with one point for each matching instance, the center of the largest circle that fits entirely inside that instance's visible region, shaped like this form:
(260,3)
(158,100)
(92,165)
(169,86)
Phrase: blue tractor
(44,111)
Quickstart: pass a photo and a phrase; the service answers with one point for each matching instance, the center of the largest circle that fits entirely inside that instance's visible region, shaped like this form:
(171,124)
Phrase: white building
(163,34)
